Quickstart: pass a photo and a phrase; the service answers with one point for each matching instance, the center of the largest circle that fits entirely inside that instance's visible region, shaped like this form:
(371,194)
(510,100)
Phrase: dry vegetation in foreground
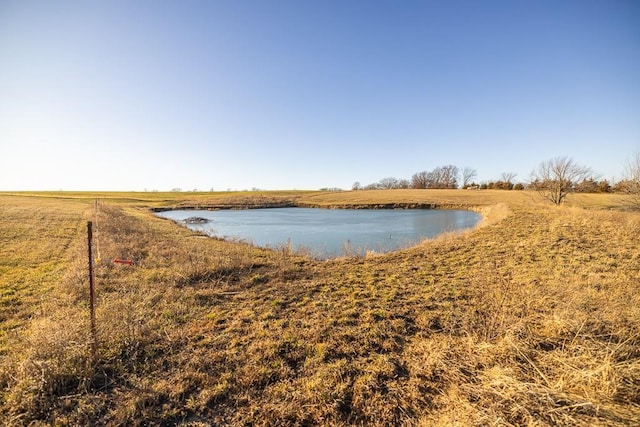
(529,320)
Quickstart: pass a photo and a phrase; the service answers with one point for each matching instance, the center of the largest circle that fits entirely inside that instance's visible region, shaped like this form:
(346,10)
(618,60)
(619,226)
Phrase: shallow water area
(327,233)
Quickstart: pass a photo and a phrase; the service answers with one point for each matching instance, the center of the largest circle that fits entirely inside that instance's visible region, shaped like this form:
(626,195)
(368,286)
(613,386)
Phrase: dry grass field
(531,318)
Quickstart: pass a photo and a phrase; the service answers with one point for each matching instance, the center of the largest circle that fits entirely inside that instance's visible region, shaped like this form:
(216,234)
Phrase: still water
(327,233)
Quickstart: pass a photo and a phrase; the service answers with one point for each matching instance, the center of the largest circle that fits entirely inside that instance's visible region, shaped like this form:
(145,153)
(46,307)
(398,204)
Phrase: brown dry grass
(528,320)
(35,237)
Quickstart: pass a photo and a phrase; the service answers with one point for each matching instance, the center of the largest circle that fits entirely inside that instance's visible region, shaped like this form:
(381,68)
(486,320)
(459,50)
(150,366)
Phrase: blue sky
(134,95)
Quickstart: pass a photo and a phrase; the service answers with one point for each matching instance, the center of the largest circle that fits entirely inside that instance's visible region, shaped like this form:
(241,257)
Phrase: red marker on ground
(123,261)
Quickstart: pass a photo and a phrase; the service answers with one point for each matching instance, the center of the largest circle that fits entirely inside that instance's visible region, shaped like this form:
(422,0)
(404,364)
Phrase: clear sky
(274,94)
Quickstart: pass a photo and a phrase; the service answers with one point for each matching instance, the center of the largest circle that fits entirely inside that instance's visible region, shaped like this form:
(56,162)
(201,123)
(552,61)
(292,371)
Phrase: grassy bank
(529,319)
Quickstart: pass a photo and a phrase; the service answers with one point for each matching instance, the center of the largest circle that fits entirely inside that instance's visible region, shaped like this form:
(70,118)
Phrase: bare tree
(450,176)
(468,175)
(507,176)
(389,183)
(555,178)
(440,177)
(632,179)
(356,186)
(443,177)
(373,186)
(505,182)
(404,184)
(419,180)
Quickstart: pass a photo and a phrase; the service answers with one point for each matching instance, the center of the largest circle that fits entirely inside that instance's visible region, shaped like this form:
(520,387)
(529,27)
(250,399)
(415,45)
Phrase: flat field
(531,318)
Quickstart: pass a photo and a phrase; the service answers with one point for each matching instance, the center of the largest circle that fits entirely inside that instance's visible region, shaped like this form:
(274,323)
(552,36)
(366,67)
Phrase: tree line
(443,177)
(554,179)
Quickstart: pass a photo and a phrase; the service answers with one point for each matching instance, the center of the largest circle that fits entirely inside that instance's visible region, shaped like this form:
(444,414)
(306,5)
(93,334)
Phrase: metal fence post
(92,294)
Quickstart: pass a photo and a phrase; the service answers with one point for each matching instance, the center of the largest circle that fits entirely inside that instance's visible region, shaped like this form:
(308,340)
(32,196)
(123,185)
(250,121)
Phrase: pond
(326,233)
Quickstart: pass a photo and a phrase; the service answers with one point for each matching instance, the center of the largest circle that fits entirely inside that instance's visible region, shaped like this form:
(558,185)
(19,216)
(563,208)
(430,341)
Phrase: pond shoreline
(327,233)
(293,204)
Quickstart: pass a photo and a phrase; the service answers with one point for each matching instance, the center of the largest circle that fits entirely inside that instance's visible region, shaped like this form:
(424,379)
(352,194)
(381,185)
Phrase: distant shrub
(501,185)
(593,186)
(623,186)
